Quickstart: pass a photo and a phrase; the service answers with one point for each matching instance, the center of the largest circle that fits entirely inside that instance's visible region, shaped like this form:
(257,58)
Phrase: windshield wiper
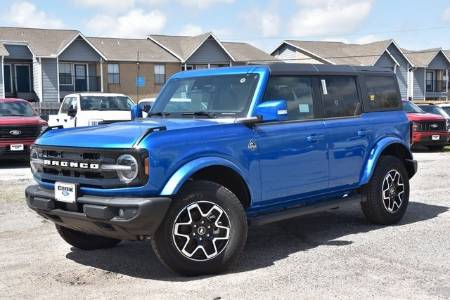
(161,114)
(13,115)
(200,114)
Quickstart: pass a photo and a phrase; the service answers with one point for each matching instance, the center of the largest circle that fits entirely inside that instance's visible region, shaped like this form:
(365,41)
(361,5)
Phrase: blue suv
(223,149)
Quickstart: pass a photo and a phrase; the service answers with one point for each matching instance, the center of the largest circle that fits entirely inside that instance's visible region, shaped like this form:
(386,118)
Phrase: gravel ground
(328,255)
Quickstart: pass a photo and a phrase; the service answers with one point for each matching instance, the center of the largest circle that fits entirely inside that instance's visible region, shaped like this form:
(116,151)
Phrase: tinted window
(68,102)
(410,107)
(382,93)
(20,109)
(297,91)
(340,97)
(105,103)
(433,109)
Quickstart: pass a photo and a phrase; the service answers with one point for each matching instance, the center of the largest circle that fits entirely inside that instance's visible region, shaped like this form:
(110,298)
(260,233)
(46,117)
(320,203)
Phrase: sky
(414,24)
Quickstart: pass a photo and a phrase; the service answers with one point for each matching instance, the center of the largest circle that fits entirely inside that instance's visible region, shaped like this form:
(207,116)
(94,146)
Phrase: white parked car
(90,109)
(145,105)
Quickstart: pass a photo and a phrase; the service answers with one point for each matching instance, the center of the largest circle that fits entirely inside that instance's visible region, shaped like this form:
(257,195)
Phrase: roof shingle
(244,52)
(42,42)
(341,53)
(181,46)
(119,49)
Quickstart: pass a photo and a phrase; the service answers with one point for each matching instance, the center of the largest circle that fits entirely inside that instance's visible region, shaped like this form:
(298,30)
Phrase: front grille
(19,132)
(431,126)
(86,177)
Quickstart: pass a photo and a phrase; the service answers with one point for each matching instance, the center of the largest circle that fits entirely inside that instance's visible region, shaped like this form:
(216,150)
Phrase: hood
(17,121)
(117,135)
(424,117)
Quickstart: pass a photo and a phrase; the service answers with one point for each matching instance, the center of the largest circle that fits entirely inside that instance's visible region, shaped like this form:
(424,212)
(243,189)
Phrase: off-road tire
(85,241)
(199,193)
(373,206)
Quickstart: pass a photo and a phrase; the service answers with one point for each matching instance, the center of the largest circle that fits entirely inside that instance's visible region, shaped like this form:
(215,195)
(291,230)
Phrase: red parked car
(19,127)
(428,130)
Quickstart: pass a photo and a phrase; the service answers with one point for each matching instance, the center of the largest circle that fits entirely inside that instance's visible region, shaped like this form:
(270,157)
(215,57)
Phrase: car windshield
(410,107)
(446,109)
(19,109)
(432,109)
(210,96)
(105,103)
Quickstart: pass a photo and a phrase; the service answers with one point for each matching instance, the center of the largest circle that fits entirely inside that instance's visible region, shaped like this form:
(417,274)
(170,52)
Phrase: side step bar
(304,210)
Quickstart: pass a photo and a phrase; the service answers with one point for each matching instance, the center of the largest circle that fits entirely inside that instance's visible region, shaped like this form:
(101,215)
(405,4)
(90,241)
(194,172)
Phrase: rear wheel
(85,241)
(204,231)
(387,193)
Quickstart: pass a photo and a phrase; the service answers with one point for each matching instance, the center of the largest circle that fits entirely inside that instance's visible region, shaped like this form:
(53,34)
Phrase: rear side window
(340,96)
(297,91)
(382,93)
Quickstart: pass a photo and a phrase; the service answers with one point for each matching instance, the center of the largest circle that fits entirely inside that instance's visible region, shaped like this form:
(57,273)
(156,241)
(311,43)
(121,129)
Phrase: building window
(160,74)
(65,74)
(113,74)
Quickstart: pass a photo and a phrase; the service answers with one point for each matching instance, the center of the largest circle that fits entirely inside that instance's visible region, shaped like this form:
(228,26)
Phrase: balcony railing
(70,83)
(438,86)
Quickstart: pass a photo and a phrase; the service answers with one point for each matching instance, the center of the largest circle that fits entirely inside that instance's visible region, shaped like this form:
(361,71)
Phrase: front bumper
(5,151)
(120,218)
(425,138)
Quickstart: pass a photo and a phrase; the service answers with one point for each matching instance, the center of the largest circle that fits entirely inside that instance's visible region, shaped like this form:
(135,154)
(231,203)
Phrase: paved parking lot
(335,254)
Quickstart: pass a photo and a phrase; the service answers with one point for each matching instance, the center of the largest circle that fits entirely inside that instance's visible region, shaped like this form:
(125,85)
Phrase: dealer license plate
(65,192)
(16,147)
(435,137)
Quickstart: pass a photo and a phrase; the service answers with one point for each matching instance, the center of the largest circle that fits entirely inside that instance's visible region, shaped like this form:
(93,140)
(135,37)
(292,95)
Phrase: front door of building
(7,79)
(23,79)
(81,78)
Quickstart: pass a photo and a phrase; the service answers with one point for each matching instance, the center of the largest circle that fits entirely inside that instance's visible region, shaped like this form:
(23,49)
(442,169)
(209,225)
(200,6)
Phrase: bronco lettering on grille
(71,164)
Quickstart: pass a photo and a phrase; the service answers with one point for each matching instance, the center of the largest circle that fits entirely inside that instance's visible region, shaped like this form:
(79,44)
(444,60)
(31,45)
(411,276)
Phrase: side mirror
(136,112)
(72,112)
(274,110)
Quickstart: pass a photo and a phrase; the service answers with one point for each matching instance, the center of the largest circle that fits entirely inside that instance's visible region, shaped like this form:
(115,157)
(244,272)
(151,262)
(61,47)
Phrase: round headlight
(130,170)
(34,160)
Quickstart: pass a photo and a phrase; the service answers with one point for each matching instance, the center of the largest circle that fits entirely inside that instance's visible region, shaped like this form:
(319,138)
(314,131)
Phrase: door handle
(364,132)
(315,138)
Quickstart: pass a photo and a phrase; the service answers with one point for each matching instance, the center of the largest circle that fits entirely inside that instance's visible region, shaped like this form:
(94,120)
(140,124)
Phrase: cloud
(269,24)
(26,14)
(366,39)
(329,17)
(191,29)
(446,15)
(108,5)
(201,4)
(136,23)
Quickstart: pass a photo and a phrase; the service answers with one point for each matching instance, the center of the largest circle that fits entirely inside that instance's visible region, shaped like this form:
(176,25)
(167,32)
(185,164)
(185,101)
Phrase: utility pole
(137,78)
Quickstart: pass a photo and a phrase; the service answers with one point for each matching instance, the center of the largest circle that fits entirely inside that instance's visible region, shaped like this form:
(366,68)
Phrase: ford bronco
(247,146)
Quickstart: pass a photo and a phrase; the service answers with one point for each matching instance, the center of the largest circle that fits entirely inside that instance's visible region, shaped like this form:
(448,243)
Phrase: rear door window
(297,91)
(382,93)
(340,96)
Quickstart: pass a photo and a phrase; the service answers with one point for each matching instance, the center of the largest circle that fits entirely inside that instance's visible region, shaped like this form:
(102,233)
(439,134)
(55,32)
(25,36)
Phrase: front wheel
(387,193)
(204,231)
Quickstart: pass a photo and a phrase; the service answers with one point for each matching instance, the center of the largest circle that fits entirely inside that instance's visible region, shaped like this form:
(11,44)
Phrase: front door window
(80,78)
(23,80)
(430,81)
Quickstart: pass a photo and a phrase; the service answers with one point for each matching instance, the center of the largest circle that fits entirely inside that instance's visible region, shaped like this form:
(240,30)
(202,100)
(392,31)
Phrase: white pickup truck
(90,109)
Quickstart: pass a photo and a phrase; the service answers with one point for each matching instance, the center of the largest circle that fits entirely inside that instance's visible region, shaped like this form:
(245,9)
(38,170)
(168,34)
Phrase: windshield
(410,107)
(105,103)
(446,109)
(432,109)
(219,95)
(20,109)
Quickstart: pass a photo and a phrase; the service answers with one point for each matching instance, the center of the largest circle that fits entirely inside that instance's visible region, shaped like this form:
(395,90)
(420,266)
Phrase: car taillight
(411,129)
